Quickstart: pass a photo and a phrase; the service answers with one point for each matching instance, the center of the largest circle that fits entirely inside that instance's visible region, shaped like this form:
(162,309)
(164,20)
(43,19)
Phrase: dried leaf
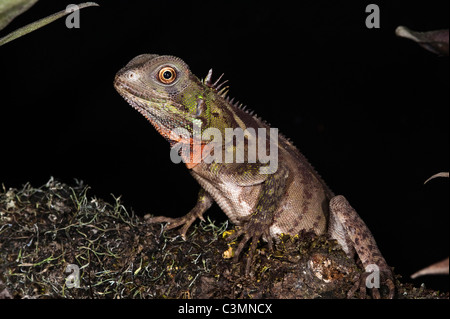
(434,41)
(441,174)
(439,268)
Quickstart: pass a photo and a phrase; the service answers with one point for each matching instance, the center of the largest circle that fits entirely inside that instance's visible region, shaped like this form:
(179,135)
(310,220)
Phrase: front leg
(204,202)
(257,225)
(353,235)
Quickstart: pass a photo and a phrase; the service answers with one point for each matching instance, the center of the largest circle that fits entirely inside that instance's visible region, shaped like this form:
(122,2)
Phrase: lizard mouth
(149,107)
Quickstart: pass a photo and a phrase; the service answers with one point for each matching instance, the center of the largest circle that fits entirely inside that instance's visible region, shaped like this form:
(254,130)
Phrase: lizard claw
(187,220)
(253,230)
(203,203)
(361,284)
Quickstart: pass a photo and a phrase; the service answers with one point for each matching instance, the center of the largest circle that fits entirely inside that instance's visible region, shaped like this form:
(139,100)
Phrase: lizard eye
(167,75)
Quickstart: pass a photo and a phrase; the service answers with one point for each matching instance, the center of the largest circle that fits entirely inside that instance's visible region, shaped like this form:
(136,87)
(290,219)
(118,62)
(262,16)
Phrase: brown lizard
(263,201)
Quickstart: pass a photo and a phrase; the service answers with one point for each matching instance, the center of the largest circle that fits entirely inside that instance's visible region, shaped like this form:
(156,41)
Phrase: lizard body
(287,200)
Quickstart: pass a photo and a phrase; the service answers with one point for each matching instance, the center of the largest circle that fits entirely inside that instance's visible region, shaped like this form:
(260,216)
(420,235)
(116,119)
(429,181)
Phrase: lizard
(263,204)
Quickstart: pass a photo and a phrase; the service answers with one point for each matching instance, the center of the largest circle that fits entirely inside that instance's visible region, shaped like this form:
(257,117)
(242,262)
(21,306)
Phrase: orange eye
(167,75)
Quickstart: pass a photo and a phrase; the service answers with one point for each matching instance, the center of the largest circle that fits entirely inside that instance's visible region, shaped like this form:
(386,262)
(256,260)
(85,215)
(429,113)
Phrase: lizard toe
(253,231)
(185,221)
(363,282)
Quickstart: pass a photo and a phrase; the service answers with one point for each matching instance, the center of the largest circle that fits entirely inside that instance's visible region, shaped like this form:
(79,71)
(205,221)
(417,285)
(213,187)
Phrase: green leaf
(40,23)
(9,9)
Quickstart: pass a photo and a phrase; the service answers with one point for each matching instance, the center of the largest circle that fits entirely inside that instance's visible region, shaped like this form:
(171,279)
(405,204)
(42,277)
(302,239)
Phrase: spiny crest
(223,92)
(217,85)
(221,89)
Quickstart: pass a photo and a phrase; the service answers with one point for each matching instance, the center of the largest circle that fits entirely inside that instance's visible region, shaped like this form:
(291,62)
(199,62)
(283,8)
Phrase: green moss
(119,255)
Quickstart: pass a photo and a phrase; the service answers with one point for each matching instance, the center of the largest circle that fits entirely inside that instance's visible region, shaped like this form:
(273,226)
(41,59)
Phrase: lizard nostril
(132,75)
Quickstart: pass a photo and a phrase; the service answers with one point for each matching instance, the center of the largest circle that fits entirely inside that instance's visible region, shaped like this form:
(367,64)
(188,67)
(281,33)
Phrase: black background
(369,110)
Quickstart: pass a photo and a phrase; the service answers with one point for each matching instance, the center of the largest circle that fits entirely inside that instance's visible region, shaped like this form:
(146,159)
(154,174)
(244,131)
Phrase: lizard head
(163,89)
